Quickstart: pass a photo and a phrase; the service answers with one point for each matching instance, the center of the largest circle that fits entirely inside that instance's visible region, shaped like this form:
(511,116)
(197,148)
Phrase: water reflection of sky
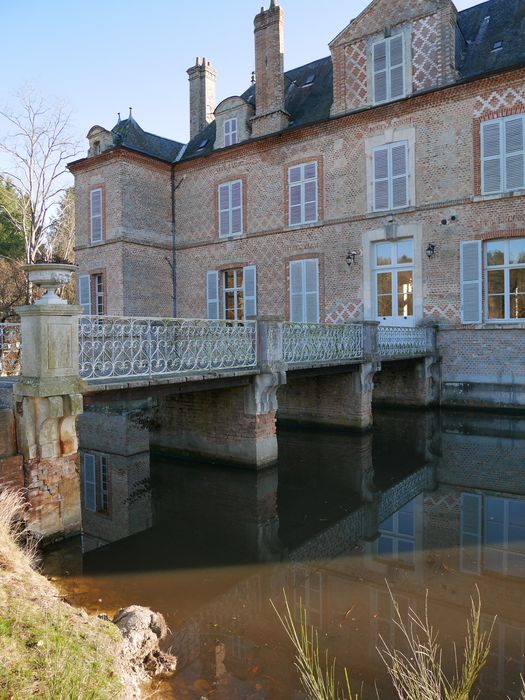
(425,502)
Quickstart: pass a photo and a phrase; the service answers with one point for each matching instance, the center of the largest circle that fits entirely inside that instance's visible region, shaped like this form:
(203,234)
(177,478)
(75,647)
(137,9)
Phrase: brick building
(383,182)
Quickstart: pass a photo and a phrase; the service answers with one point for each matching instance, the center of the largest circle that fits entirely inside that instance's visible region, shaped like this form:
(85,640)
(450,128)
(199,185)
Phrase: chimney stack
(270,115)
(202,95)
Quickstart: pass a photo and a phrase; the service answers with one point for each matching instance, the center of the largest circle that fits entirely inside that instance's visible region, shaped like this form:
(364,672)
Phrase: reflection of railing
(305,343)
(10,343)
(112,347)
(393,341)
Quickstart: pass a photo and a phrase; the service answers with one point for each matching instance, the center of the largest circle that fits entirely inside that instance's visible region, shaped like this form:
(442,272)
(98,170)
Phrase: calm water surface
(426,502)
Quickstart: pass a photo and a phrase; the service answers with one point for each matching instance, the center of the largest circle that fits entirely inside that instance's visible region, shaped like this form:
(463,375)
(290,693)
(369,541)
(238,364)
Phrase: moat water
(430,504)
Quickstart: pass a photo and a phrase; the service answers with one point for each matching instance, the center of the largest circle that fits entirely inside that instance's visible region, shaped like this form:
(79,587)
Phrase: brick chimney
(270,115)
(202,95)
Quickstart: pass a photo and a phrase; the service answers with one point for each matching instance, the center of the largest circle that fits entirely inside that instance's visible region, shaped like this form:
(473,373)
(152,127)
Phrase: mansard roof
(129,134)
(478,31)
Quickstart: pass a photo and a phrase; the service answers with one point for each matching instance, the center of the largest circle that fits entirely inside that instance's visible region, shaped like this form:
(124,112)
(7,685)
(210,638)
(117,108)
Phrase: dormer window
(96,148)
(388,58)
(230,132)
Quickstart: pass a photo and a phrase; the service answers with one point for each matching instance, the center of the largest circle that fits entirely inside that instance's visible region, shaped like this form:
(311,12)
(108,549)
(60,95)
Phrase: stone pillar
(234,424)
(48,397)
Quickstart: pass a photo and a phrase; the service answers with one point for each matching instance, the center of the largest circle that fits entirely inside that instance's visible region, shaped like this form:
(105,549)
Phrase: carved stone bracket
(261,395)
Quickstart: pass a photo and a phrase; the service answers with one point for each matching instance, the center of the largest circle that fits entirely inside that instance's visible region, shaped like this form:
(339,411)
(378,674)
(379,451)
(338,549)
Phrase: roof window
(203,144)
(309,80)
(498,45)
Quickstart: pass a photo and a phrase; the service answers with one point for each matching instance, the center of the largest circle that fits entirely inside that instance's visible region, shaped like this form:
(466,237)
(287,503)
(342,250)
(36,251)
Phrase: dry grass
(416,674)
(49,650)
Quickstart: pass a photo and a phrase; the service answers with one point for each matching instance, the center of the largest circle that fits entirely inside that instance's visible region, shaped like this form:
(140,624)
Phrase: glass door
(394,282)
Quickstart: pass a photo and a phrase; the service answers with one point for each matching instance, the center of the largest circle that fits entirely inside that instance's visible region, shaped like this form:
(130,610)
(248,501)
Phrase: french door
(393,275)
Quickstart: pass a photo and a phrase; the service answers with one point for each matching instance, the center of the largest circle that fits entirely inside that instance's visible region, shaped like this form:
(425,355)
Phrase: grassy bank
(48,649)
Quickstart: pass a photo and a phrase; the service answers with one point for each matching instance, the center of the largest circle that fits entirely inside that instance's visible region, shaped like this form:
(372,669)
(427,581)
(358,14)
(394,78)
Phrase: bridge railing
(305,343)
(10,344)
(120,348)
(399,341)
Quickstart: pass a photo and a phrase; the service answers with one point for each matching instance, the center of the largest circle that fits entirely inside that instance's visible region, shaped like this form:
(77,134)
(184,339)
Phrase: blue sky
(104,56)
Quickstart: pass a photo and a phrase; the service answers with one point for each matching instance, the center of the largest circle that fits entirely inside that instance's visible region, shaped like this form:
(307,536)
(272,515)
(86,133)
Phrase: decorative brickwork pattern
(426,58)
(341,312)
(499,99)
(356,75)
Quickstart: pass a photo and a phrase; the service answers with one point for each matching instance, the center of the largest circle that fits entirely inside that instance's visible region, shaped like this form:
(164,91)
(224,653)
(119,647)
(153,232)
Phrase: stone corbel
(261,395)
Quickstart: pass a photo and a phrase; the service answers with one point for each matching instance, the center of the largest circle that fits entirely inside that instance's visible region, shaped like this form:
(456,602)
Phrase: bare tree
(37,151)
(13,288)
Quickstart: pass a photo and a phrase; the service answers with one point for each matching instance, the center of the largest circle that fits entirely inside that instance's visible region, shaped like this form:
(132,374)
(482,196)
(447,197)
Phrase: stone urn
(50,276)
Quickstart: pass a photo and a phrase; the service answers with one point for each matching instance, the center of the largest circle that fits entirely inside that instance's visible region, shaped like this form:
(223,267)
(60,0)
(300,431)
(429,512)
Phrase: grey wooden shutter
(399,170)
(470,533)
(311,291)
(381,179)
(514,153)
(491,171)
(250,292)
(224,210)
(471,291)
(379,60)
(296,291)
(212,294)
(90,483)
(236,207)
(295,195)
(96,215)
(397,67)
(310,193)
(84,293)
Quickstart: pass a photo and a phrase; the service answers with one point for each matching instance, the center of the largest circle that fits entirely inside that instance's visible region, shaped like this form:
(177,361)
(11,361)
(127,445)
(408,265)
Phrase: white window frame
(394,268)
(230,209)
(302,183)
(502,157)
(249,299)
(230,132)
(390,178)
(388,70)
(506,267)
(96,236)
(505,547)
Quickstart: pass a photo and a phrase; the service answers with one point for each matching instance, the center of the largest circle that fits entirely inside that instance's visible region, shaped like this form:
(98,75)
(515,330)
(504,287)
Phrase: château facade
(384,182)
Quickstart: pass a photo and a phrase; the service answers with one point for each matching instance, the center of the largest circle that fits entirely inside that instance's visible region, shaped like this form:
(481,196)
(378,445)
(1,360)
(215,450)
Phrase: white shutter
(491,157)
(399,169)
(295,195)
(90,484)
(379,58)
(96,215)
(514,154)
(470,533)
(296,291)
(397,67)
(84,293)
(250,292)
(236,207)
(380,179)
(471,282)
(212,294)
(224,209)
(311,290)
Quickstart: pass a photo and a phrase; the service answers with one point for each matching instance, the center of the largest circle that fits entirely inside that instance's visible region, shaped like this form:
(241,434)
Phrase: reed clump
(417,672)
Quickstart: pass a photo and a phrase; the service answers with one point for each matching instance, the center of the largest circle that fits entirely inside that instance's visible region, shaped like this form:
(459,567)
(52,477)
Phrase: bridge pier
(47,400)
(408,383)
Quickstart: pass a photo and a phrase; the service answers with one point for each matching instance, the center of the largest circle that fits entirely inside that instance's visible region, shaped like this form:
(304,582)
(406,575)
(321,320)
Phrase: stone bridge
(204,388)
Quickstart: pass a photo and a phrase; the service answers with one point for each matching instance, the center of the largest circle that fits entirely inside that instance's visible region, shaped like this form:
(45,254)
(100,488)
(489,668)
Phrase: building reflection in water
(426,502)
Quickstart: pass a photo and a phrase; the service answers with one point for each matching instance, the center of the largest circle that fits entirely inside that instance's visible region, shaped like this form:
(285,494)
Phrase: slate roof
(308,101)
(129,134)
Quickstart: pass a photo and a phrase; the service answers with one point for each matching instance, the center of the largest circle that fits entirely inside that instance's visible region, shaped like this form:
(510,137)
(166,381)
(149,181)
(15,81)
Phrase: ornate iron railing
(118,348)
(10,344)
(393,341)
(305,343)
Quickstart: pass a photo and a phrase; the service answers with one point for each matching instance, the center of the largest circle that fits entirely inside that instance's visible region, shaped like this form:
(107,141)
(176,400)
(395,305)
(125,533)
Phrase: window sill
(310,224)
(232,237)
(386,212)
(498,195)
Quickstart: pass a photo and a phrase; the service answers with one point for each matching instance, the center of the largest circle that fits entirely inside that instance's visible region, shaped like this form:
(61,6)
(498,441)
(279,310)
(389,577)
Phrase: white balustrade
(10,343)
(118,348)
(310,343)
(399,341)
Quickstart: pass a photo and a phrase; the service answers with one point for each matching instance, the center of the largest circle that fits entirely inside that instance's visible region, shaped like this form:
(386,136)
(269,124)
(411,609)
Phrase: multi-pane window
(304,291)
(503,154)
(397,539)
(388,58)
(230,132)
(394,281)
(302,194)
(95,473)
(95,215)
(91,294)
(505,275)
(230,208)
(390,176)
(239,294)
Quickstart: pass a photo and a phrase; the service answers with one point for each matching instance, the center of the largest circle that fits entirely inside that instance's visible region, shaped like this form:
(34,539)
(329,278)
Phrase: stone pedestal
(48,398)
